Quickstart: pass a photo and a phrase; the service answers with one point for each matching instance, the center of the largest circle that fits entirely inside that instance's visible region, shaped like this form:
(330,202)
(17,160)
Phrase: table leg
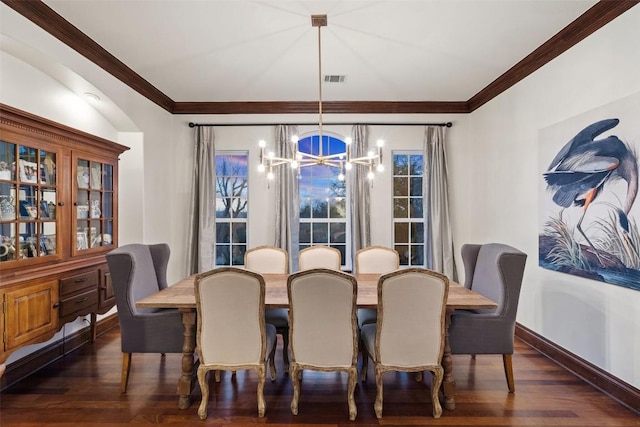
(186,381)
(448,384)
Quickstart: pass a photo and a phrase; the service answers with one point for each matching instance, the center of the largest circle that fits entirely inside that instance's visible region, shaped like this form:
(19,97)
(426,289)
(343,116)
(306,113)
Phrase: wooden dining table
(181,295)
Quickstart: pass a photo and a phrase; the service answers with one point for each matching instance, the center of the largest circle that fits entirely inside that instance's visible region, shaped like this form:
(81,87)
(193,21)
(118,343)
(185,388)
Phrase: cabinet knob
(60,203)
(56,305)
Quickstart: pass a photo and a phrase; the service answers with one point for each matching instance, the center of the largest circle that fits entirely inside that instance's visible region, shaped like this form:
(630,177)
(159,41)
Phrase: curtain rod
(443,124)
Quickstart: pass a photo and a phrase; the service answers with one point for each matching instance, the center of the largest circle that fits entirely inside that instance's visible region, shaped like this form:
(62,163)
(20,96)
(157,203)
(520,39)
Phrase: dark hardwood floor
(82,389)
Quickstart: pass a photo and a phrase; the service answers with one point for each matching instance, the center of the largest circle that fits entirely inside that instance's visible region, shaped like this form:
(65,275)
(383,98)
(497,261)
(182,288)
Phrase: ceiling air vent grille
(329,78)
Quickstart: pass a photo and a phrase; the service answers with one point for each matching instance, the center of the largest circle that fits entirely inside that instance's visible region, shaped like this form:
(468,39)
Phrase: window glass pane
(416,207)
(416,186)
(400,208)
(417,254)
(338,207)
(417,232)
(403,252)
(416,165)
(239,207)
(320,208)
(320,232)
(338,232)
(223,207)
(305,208)
(400,164)
(305,232)
(222,232)
(237,252)
(239,230)
(401,232)
(400,186)
(223,255)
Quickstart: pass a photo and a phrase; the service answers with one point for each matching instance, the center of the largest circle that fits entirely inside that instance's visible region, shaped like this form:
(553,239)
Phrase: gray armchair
(495,271)
(137,271)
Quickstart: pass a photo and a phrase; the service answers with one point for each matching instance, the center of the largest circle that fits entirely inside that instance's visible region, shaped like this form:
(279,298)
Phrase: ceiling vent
(329,78)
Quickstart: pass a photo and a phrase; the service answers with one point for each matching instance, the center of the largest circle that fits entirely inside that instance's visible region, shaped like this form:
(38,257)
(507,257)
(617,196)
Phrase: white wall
(496,179)
(493,172)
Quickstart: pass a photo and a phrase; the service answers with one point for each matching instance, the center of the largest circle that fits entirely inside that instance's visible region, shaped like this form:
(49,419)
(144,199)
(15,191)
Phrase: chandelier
(343,161)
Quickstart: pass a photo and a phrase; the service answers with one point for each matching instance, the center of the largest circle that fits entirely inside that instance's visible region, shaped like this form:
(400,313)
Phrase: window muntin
(408,208)
(324,218)
(232,184)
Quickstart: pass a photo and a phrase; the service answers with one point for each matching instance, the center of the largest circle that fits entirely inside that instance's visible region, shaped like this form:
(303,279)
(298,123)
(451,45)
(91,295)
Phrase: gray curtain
(359,188)
(287,200)
(202,227)
(439,238)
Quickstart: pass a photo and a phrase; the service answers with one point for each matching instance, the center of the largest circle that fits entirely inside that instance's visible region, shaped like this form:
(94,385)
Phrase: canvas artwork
(589,209)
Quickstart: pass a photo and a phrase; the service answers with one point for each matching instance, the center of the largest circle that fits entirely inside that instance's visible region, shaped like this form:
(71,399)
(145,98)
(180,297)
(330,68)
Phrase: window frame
(408,219)
(232,220)
(347,259)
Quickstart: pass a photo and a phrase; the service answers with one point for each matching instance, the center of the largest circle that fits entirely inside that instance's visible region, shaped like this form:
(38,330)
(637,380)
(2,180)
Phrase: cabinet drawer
(76,283)
(76,304)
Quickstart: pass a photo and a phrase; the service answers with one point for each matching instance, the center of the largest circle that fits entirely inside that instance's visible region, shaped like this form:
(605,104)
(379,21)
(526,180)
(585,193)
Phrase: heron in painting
(578,173)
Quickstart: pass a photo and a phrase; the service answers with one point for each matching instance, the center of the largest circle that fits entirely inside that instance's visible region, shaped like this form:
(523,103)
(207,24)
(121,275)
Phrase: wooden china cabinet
(58,219)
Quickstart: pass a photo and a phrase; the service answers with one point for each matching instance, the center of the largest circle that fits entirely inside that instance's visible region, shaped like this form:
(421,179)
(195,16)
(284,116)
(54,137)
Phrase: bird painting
(583,168)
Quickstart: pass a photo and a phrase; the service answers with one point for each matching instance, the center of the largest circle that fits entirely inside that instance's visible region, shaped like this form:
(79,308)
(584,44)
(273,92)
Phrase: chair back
(319,257)
(267,260)
(230,310)
(495,270)
(137,271)
(411,318)
(377,259)
(323,330)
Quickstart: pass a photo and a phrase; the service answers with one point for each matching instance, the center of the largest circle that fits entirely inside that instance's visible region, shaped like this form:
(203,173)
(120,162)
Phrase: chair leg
(436,382)
(377,406)
(261,378)
(204,387)
(126,368)
(353,379)
(295,381)
(272,363)
(508,371)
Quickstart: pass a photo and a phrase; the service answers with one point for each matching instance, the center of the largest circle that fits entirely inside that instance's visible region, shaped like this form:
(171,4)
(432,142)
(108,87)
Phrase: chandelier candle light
(343,161)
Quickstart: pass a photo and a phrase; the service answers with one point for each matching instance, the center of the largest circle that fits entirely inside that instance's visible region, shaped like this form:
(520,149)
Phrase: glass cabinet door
(28,201)
(93,205)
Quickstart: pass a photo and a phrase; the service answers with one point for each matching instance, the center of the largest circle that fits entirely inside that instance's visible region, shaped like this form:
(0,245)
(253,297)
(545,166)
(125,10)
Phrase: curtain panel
(439,237)
(202,212)
(359,190)
(286,199)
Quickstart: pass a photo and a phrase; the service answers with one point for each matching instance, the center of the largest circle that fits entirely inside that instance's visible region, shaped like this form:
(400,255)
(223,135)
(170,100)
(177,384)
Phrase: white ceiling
(267,50)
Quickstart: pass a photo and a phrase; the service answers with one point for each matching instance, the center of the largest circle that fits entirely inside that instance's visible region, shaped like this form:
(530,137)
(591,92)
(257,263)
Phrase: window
(323,200)
(231,207)
(408,208)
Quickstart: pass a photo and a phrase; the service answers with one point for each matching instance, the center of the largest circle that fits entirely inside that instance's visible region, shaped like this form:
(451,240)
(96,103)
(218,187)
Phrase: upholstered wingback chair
(495,271)
(138,271)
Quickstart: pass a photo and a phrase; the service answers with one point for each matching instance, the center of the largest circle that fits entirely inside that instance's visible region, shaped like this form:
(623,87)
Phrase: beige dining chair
(319,257)
(409,334)
(323,330)
(272,260)
(232,334)
(374,260)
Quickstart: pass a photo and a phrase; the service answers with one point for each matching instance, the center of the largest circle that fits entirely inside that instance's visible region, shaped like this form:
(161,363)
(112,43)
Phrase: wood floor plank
(83,389)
